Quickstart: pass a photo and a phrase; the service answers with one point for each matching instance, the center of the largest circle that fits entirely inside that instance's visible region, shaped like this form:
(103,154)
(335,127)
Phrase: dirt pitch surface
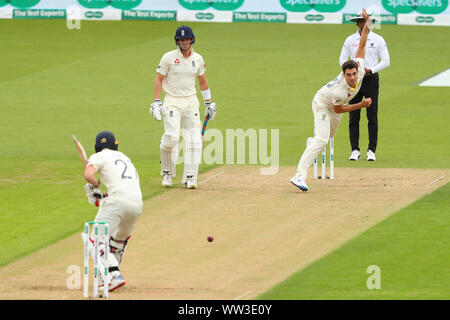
(264,230)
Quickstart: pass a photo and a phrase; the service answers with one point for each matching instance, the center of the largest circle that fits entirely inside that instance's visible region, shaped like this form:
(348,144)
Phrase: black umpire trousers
(369,89)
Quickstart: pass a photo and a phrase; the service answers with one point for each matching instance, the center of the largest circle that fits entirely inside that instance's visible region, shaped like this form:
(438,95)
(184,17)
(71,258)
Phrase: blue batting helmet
(184,32)
(106,139)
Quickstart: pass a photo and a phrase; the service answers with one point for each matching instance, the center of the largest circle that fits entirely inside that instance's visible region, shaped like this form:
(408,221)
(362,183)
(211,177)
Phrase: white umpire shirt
(377,55)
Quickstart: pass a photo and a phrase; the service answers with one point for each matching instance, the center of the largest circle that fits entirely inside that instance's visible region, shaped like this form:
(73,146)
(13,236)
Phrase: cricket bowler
(330,102)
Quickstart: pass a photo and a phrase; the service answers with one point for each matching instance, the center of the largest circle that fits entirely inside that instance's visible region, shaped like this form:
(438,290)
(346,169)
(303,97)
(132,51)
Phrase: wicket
(91,247)
(324,162)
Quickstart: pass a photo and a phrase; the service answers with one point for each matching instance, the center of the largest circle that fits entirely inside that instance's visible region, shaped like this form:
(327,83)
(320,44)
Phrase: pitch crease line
(207,179)
(434,181)
(242,295)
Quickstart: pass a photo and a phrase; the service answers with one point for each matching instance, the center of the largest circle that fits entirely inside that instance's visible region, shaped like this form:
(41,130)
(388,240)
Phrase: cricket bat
(83,157)
(80,150)
(205,123)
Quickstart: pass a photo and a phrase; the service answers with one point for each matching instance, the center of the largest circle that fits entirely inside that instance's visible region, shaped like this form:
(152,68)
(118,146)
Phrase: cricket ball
(210,238)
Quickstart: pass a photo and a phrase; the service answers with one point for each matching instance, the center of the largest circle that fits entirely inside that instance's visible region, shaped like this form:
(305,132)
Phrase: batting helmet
(184,32)
(106,139)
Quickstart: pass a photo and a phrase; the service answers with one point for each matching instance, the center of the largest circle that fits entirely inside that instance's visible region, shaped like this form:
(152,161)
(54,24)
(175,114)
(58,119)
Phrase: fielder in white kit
(123,204)
(330,102)
(176,74)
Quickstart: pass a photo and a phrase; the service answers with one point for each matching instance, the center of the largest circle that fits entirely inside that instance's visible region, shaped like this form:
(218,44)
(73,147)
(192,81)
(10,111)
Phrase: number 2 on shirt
(125,167)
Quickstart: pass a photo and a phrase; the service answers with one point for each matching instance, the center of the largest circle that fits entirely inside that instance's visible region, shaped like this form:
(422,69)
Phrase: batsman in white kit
(330,102)
(123,204)
(176,75)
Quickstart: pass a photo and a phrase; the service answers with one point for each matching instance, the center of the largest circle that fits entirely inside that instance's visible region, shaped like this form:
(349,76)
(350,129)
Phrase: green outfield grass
(55,82)
(410,249)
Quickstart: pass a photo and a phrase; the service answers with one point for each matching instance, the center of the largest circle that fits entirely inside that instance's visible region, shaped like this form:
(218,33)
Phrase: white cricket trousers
(326,123)
(181,113)
(121,216)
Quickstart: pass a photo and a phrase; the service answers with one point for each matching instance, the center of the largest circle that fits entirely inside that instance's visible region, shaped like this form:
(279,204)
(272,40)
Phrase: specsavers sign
(224,5)
(20,4)
(318,5)
(118,4)
(419,6)
(422,12)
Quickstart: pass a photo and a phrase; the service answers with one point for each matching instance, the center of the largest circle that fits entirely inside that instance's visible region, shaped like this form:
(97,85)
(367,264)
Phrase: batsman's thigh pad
(172,121)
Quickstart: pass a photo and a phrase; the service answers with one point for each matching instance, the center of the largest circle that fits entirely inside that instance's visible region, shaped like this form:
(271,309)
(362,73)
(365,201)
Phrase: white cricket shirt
(337,91)
(180,72)
(118,174)
(377,55)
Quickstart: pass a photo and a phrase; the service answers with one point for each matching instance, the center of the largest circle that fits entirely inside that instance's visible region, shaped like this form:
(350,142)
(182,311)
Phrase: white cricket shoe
(299,182)
(371,156)
(167,180)
(355,156)
(115,282)
(191,184)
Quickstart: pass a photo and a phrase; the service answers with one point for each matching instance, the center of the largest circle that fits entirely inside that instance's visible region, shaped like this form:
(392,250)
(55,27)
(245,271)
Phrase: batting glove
(93,193)
(210,110)
(157,110)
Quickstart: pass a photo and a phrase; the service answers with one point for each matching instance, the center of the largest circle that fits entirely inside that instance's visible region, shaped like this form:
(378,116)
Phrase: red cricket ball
(210,238)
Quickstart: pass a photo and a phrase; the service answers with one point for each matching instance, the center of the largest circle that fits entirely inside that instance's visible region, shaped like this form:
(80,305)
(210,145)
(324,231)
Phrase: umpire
(377,58)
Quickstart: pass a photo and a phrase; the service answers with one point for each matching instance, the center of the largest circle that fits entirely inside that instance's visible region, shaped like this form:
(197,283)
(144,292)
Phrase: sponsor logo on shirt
(177,61)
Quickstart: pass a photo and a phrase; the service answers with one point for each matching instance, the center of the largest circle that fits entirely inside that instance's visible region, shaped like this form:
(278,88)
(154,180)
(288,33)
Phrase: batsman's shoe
(191,184)
(299,182)
(167,180)
(116,281)
(355,156)
(371,156)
